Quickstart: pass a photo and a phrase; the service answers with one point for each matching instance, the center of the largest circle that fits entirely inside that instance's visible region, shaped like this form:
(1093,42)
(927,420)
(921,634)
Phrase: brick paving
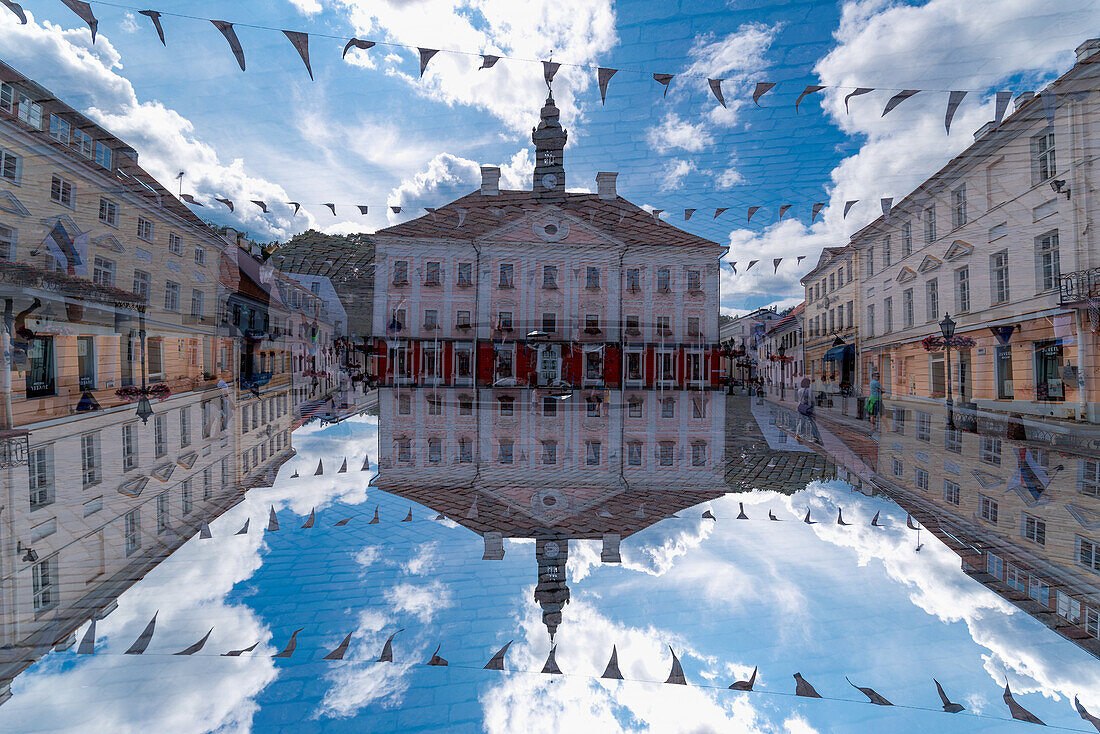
(751,464)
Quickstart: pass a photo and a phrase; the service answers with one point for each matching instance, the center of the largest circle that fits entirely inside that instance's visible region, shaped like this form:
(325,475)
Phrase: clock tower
(549,139)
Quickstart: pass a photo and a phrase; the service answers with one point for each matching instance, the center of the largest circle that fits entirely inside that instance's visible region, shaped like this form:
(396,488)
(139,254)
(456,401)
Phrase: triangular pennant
(657,213)
(874,520)
(810,89)
(719,210)
(461,217)
(815,210)
(366,463)
(762,88)
(848,207)
(953,102)
(261,204)
(192,649)
(549,69)
(909,522)
(320,468)
(409,517)
(663,79)
(155,17)
(898,99)
(551,665)
(17,9)
(799,259)
(807,519)
(676,675)
(1003,333)
(357,43)
(309,520)
(887,203)
(291,645)
(272,520)
(332,208)
(1019,712)
(783,209)
(204,531)
(395,209)
(856,93)
(143,639)
(426,55)
(948,705)
(751,263)
(338,653)
(497,661)
(227,202)
(488,61)
(716,88)
(244,528)
(84,10)
(301,45)
(190,199)
(734,266)
(471,514)
(688,213)
(363,209)
(1084,713)
(387,649)
(435,659)
(611,672)
(708,515)
(342,523)
(1050,102)
(775,264)
(870,693)
(343,467)
(771,516)
(238,653)
(803,688)
(603,76)
(87,643)
(752,210)
(1003,98)
(296,206)
(745,685)
(231,36)
(374,520)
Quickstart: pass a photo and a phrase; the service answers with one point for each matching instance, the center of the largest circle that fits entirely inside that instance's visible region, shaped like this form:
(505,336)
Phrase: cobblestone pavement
(751,464)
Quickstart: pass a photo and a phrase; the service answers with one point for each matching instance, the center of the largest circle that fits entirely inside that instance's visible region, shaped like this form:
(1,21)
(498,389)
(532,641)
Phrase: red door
(612,365)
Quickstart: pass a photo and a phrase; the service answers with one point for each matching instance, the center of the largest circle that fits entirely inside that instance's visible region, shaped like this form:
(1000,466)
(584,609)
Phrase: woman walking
(806,409)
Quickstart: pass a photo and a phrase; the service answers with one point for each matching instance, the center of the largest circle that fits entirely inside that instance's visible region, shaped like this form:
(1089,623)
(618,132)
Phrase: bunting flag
(300,42)
(783,210)
(807,519)
(751,263)
(143,639)
(395,209)
(953,102)
(192,649)
(291,645)
(204,531)
(87,643)
(909,522)
(771,516)
(435,659)
(859,91)
(810,89)
(242,651)
(1003,98)
(343,522)
(227,202)
(343,467)
(387,649)
(366,463)
(716,88)
(663,79)
(320,468)
(803,688)
(296,206)
(461,217)
(155,17)
(948,706)
(1085,714)
(190,199)
(332,208)
(497,661)
(272,520)
(231,36)
(603,76)
(356,43)
(719,211)
(1049,98)
(1019,712)
(840,517)
(338,653)
(549,69)
(488,61)
(734,266)
(374,520)
(261,204)
(752,210)
(886,202)
(62,248)
(816,210)
(762,88)
(612,672)
(688,213)
(551,665)
(426,55)
(657,213)
(848,207)
(408,517)
(799,259)
(1030,475)
(775,264)
(745,685)
(676,675)
(363,209)
(898,99)
(874,521)
(870,693)
(244,528)
(17,9)
(708,515)
(84,11)
(310,520)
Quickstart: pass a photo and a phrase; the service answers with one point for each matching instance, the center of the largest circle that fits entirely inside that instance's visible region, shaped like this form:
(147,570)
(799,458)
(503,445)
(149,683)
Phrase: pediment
(133,487)
(1088,519)
(958,249)
(109,242)
(985,479)
(929,263)
(905,275)
(10,204)
(163,472)
(552,225)
(188,460)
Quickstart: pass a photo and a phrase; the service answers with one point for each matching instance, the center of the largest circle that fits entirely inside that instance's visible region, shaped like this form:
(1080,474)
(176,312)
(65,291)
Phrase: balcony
(1078,287)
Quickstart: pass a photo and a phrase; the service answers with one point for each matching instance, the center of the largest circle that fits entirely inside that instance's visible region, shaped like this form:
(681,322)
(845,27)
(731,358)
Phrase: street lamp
(782,352)
(947,328)
(144,409)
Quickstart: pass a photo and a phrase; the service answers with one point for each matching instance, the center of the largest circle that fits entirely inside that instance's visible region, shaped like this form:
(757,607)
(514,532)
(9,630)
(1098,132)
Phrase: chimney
(985,129)
(231,235)
(1088,49)
(1021,99)
(490,180)
(605,186)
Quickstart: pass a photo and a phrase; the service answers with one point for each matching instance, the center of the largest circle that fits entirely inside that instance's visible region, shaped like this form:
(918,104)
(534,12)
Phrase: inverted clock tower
(549,139)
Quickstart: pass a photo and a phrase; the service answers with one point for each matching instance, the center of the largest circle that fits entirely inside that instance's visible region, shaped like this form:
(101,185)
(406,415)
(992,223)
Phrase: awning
(839,352)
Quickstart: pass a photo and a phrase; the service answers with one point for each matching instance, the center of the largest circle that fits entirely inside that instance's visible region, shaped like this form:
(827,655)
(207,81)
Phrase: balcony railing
(1079,286)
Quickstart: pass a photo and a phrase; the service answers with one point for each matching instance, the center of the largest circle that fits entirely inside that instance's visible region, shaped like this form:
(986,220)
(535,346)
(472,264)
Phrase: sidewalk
(848,441)
(843,411)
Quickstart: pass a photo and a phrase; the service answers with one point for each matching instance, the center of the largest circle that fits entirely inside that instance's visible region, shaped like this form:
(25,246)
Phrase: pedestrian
(806,410)
(874,402)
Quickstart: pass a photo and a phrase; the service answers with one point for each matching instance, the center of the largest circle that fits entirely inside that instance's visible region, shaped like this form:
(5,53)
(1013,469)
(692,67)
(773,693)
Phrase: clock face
(549,181)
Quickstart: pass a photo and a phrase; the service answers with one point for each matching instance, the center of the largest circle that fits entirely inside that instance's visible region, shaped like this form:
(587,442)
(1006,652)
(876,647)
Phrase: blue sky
(368,130)
(826,601)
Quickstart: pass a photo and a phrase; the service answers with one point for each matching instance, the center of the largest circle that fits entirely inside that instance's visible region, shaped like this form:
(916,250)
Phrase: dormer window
(104,156)
(60,130)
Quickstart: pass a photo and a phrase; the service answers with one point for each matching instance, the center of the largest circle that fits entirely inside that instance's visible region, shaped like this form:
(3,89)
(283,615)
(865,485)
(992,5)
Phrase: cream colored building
(830,320)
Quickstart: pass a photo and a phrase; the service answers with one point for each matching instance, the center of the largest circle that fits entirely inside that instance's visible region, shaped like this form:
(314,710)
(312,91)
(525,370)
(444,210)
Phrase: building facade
(832,326)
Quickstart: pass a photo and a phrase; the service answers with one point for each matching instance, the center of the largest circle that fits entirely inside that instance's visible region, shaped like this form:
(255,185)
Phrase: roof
(481,214)
(828,254)
(788,319)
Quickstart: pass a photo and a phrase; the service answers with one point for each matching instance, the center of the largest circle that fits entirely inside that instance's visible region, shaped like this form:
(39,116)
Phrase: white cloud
(423,601)
(674,133)
(447,177)
(674,173)
(425,560)
(129,23)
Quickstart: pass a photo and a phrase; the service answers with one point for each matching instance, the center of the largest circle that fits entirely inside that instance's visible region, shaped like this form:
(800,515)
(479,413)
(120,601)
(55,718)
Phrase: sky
(369,130)
(823,600)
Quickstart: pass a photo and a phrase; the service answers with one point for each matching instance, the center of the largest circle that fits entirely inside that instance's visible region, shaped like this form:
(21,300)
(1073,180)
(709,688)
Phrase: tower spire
(549,138)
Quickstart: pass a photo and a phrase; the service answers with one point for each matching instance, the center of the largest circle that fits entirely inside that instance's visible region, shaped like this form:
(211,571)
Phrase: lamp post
(782,352)
(947,328)
(144,409)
